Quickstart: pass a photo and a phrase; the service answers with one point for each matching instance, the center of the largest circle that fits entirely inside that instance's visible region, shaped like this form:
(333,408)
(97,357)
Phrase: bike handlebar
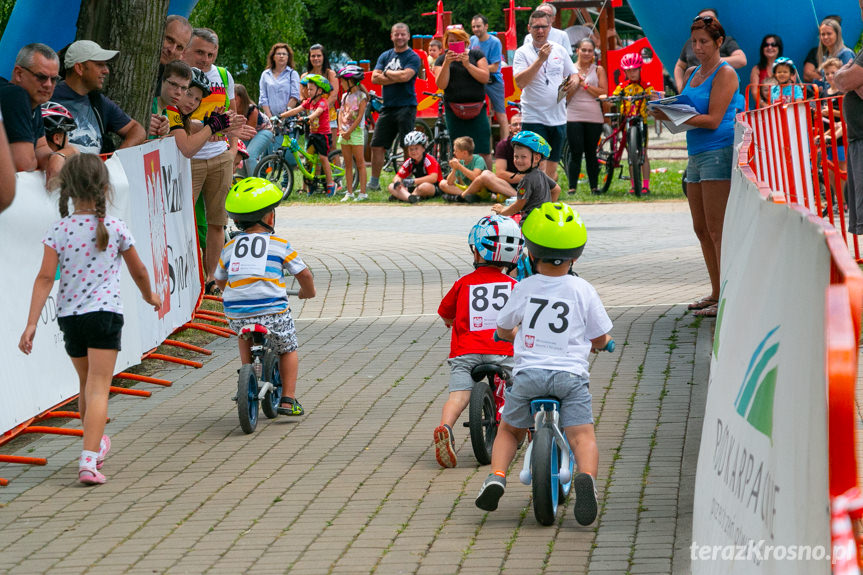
(434,94)
(292,292)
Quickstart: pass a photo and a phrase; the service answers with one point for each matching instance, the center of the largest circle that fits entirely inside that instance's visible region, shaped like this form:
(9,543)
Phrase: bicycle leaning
(440,143)
(626,132)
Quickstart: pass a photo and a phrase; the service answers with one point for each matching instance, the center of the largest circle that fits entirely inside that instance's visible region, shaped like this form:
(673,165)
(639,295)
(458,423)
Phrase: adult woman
(280,83)
(462,74)
(584,118)
(771,48)
(711,87)
(830,45)
(319,63)
(258,144)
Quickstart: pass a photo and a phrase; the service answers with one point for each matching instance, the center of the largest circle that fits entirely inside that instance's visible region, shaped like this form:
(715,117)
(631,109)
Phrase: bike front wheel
(545,473)
(605,157)
(635,151)
(482,421)
(247,398)
(275,169)
(270,404)
(337,164)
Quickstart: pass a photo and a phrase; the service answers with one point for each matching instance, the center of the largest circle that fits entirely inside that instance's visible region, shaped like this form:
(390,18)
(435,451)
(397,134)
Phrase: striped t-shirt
(254,265)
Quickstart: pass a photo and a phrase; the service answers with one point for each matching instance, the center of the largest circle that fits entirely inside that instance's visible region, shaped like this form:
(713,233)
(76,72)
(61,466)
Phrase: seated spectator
(829,69)
(33,79)
(786,89)
(419,176)
(96,115)
(771,48)
(174,84)
(502,182)
(465,167)
(830,45)
(58,123)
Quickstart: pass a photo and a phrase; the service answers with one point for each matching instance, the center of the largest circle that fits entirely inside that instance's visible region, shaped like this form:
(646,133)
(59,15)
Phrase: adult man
(178,33)
(849,79)
(554,34)
(212,166)
(729,52)
(542,70)
(33,80)
(96,115)
(505,176)
(396,70)
(491,47)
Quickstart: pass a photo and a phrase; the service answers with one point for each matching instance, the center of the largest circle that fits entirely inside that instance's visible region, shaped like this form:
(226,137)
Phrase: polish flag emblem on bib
(477,321)
(528,341)
(235,266)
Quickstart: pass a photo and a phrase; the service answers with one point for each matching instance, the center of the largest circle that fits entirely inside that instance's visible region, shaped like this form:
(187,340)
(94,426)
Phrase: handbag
(466,110)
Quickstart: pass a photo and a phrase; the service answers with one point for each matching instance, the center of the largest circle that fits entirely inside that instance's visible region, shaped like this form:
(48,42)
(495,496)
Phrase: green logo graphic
(755,398)
(719,314)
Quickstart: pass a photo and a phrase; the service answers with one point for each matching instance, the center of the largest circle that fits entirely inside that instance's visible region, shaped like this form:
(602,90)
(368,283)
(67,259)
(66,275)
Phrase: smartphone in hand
(457,47)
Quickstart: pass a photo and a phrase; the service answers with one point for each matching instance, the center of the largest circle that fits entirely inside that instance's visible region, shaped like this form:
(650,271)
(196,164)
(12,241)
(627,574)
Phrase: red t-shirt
(473,302)
(428,166)
(321,124)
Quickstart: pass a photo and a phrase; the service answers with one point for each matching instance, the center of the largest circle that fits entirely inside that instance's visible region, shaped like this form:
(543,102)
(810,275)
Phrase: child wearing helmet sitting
(785,89)
(251,275)
(555,320)
(470,308)
(58,123)
(529,149)
(320,136)
(419,175)
(633,86)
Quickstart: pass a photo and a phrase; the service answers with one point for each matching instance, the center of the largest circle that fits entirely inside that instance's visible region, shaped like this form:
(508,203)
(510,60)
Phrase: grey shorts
(283,334)
(572,390)
(710,165)
(460,366)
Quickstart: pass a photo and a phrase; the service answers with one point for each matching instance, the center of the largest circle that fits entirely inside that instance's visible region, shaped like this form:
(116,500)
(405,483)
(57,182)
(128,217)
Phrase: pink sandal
(103,453)
(90,476)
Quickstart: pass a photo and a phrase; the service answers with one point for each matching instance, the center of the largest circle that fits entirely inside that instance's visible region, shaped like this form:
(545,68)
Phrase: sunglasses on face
(42,78)
(771,45)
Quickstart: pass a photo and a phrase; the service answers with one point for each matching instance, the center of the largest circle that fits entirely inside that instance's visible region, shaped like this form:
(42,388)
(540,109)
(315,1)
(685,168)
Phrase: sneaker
(89,476)
(413,198)
(585,508)
(104,448)
(491,492)
(331,190)
(470,198)
(361,197)
(373,187)
(444,446)
(450,198)
(295,409)
(348,197)
(392,198)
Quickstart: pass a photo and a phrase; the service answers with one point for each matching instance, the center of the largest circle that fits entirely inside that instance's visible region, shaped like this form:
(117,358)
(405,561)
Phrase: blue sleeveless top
(701,139)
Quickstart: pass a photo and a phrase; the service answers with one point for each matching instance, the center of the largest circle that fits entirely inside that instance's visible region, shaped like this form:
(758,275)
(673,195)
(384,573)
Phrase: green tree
(248,29)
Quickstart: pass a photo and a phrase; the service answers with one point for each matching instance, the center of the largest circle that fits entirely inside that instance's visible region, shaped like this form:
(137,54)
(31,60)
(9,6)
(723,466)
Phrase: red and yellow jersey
(627,88)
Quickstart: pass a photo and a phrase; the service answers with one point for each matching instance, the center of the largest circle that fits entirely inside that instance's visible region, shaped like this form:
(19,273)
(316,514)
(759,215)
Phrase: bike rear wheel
(275,169)
(247,398)
(605,157)
(271,372)
(482,421)
(545,473)
(635,151)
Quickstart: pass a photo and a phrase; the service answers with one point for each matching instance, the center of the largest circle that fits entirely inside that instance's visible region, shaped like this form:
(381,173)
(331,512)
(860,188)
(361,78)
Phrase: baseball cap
(84,50)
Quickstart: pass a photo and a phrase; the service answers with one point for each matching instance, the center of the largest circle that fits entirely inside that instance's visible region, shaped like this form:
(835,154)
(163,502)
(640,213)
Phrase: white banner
(761,492)
(32,384)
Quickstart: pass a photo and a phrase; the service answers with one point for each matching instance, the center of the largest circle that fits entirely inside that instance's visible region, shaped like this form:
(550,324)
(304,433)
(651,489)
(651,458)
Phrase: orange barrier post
(189,346)
(209,328)
(143,378)
(207,317)
(128,391)
(53,430)
(23,460)
(172,359)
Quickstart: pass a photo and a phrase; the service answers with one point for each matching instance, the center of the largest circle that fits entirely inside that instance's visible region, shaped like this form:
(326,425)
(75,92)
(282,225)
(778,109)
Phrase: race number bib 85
(485,301)
(250,255)
(545,326)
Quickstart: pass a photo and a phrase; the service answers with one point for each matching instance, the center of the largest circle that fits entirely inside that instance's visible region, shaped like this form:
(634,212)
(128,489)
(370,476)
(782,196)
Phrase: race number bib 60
(250,255)
(485,301)
(545,326)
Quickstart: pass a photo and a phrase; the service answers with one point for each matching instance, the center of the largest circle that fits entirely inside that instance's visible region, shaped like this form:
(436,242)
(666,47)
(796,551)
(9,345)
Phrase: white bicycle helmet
(415,138)
(497,238)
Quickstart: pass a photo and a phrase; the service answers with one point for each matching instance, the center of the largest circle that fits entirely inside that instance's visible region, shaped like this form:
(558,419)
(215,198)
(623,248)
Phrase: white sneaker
(348,196)
(361,197)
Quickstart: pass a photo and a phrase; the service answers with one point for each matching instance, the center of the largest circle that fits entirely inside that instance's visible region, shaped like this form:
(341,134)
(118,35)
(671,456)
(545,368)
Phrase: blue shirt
(493,54)
(87,137)
(401,93)
(277,92)
(701,139)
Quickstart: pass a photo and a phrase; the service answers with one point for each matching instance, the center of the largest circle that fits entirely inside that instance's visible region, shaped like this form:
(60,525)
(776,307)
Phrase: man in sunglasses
(33,80)
(729,52)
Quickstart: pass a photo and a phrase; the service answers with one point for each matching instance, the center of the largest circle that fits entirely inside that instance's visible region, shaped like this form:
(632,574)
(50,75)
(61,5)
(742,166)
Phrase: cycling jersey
(627,88)
(429,165)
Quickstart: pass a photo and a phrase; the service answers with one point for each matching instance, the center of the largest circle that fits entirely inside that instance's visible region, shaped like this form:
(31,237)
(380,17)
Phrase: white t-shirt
(216,98)
(558,317)
(539,103)
(89,279)
(555,35)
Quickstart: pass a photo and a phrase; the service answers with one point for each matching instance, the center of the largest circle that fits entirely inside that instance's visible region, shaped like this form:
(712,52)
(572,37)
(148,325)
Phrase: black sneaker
(413,199)
(392,198)
(470,198)
(491,492)
(585,508)
(450,198)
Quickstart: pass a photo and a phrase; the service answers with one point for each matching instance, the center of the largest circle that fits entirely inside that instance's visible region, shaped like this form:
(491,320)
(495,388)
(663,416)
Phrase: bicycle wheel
(482,421)
(636,158)
(271,373)
(545,473)
(275,169)
(393,157)
(605,157)
(336,156)
(565,160)
(247,398)
(442,151)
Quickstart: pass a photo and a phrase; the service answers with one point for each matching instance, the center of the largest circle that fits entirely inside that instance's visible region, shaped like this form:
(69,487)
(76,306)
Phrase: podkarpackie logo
(754,400)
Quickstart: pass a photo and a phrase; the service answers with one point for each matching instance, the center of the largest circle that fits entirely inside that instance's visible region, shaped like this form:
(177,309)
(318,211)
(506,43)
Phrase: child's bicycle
(629,133)
(275,168)
(440,144)
(548,461)
(259,382)
(485,408)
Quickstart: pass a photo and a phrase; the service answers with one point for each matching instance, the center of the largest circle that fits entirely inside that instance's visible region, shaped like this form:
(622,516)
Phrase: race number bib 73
(250,255)
(485,301)
(545,326)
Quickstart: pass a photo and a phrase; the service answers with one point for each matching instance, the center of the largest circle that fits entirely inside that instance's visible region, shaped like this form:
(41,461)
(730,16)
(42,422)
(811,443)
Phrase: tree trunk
(135,28)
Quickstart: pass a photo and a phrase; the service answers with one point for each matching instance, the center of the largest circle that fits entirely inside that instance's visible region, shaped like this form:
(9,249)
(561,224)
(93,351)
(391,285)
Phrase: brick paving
(353,487)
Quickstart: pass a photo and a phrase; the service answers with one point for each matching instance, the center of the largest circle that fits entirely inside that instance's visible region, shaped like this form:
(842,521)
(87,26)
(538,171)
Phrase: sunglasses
(708,20)
(42,78)
(771,45)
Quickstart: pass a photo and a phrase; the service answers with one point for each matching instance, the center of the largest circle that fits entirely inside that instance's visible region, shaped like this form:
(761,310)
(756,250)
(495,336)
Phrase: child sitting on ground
(464,168)
(251,275)
(633,86)
(786,75)
(419,176)
(555,319)
(470,308)
(535,188)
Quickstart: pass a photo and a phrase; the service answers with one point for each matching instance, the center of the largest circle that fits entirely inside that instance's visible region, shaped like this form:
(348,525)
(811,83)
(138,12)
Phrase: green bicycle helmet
(532,141)
(318,81)
(554,232)
(250,199)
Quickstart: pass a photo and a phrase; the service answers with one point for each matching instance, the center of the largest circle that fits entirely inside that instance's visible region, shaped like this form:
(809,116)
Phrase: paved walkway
(353,486)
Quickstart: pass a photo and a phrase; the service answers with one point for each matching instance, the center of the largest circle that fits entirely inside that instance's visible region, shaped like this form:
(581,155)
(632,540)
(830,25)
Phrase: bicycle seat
(549,403)
(483,370)
(253,328)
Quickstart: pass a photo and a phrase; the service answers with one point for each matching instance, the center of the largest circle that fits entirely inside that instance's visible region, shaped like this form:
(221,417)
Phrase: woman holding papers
(711,87)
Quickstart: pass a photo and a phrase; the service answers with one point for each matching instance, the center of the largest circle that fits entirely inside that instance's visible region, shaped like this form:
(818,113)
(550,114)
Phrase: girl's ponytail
(101,231)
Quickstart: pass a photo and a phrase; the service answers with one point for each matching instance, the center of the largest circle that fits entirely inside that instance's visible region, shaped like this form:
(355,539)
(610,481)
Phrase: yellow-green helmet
(554,231)
(250,199)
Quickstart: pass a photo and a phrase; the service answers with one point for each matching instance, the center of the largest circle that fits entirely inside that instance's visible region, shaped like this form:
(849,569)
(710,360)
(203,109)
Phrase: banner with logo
(761,493)
(32,384)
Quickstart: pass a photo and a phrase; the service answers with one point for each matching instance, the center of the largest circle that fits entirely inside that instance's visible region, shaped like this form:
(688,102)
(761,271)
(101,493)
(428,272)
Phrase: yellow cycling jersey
(633,89)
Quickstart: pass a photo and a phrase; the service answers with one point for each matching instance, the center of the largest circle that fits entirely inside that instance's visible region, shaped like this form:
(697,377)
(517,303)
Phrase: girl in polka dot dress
(88,245)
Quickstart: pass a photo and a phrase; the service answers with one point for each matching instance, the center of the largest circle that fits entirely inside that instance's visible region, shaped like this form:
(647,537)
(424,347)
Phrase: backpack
(108,145)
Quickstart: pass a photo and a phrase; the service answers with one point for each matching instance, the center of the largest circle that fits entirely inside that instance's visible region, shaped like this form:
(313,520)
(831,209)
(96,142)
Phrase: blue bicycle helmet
(532,141)
(787,61)
(496,238)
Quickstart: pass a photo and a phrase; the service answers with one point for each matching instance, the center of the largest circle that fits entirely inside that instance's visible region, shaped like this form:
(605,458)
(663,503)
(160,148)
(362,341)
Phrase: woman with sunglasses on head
(712,87)
(730,52)
(319,63)
(771,49)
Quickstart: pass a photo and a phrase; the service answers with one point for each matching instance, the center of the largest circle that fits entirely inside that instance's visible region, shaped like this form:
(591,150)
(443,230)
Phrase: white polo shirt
(539,103)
